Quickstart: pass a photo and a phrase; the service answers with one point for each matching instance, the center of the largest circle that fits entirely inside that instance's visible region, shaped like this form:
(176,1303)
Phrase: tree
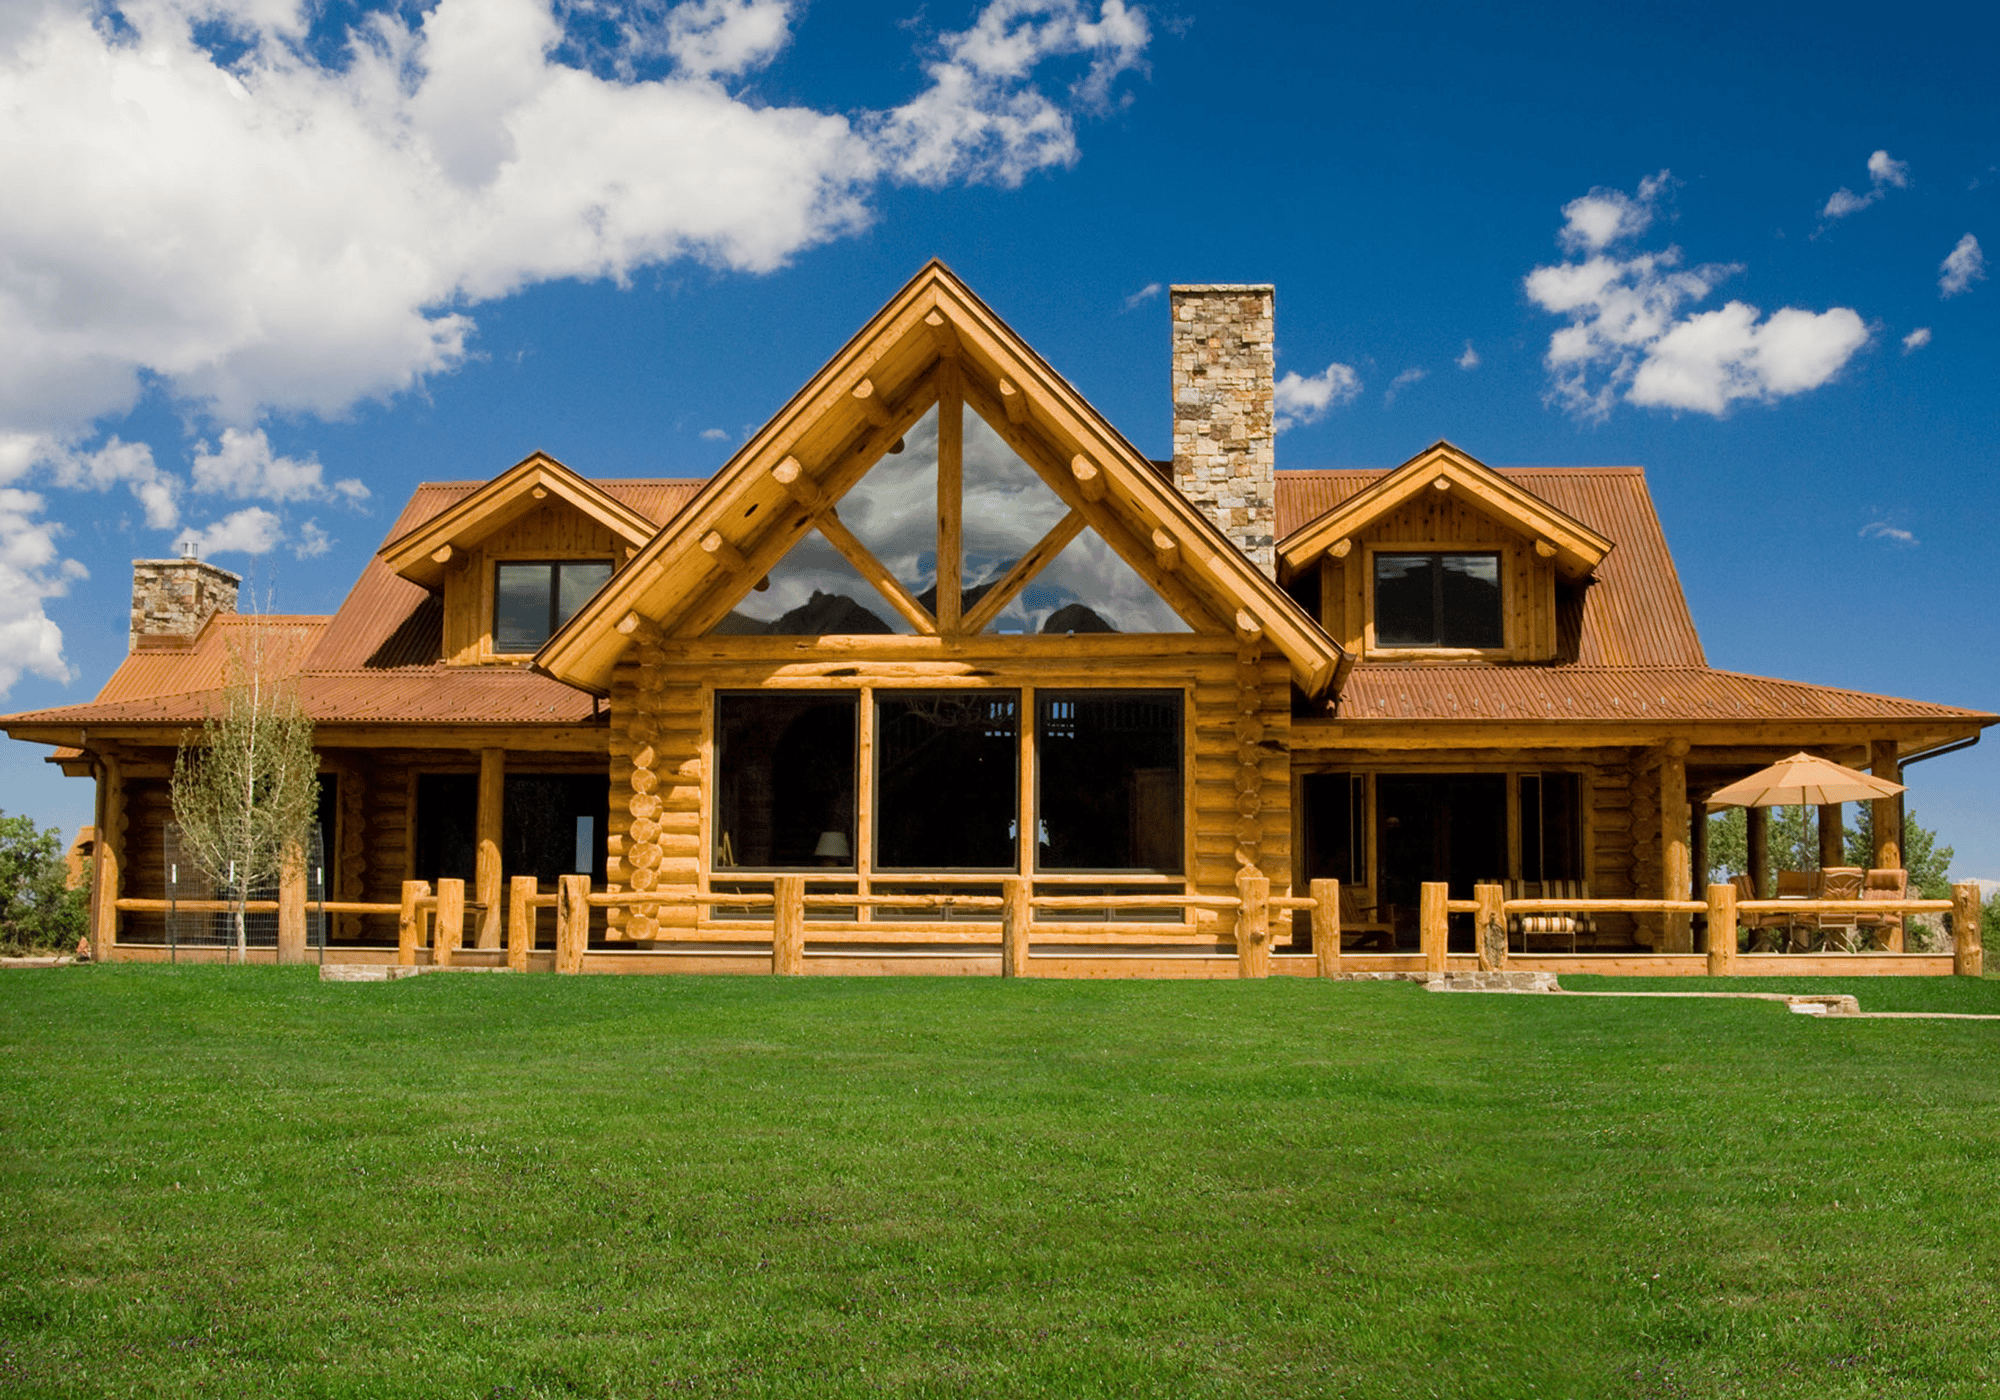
(37,907)
(245,794)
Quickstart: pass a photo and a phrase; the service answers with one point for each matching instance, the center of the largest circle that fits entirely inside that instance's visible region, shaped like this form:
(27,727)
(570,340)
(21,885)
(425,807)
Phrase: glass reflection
(813,592)
(893,508)
(1007,507)
(1087,588)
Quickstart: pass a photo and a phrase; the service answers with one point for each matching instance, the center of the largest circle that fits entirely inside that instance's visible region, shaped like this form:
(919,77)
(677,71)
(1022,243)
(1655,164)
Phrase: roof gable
(424,554)
(933,338)
(1573,546)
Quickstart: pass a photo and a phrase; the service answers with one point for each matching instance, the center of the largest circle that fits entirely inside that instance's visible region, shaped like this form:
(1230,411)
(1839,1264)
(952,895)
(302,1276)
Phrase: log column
(292,905)
(1676,867)
(110,856)
(1757,849)
(1832,837)
(486,866)
(1886,813)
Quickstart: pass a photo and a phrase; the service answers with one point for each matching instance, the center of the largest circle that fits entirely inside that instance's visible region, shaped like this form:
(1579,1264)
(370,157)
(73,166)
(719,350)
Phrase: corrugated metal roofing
(203,662)
(1599,693)
(1634,613)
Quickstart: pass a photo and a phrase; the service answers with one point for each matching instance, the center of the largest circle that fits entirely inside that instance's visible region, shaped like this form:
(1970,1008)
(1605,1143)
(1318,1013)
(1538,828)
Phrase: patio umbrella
(1802,781)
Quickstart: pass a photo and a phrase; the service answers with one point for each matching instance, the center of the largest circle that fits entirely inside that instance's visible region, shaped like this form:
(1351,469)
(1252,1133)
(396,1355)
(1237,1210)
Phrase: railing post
(292,904)
(1722,930)
(1253,926)
(572,921)
(520,921)
(410,922)
(788,925)
(450,922)
(1490,922)
(1326,925)
(1968,958)
(1431,914)
(1016,917)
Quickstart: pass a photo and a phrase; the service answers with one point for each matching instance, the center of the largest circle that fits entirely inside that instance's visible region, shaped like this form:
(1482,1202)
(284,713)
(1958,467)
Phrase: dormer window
(1448,601)
(530,601)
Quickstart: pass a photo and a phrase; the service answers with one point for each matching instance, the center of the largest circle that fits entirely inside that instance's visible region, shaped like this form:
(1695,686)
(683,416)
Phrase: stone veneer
(1225,434)
(174,597)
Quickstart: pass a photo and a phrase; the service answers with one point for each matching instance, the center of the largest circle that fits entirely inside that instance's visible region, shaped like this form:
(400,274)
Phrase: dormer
(1443,560)
(515,559)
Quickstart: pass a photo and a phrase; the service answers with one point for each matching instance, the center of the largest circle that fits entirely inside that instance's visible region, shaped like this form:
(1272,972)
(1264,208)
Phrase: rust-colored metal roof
(177,665)
(1634,613)
(1611,693)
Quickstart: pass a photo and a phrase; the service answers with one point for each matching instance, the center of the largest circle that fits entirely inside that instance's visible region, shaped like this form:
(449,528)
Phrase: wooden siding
(556,530)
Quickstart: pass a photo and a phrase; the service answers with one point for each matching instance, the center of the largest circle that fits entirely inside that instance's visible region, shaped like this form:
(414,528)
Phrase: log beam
(1089,480)
(791,475)
(1832,836)
(1757,852)
(488,826)
(1676,863)
(1886,813)
(727,555)
(1014,402)
(1166,551)
(871,405)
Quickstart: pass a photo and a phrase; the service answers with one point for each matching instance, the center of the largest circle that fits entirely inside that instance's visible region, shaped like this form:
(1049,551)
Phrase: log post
(109,852)
(1490,923)
(292,904)
(450,936)
(1676,867)
(788,925)
(1968,959)
(1253,926)
(1016,918)
(410,922)
(1722,930)
(1326,926)
(572,921)
(1757,849)
(486,866)
(1431,925)
(520,921)
(1832,836)
(1886,813)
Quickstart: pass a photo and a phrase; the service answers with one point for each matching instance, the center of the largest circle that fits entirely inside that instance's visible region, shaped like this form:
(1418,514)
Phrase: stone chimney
(174,597)
(1225,437)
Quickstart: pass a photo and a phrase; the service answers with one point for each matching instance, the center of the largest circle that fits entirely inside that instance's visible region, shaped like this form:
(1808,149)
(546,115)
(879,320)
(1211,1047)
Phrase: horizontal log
(1604,906)
(1844,906)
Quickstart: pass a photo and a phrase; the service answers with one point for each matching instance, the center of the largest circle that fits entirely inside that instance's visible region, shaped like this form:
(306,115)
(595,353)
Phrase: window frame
(1505,566)
(492,608)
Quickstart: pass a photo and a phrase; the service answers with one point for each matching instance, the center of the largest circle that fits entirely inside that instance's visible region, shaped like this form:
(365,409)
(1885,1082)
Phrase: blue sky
(264,267)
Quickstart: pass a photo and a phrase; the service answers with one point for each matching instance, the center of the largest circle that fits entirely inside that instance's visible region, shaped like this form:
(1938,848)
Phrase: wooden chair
(1758,926)
(1357,919)
(1798,927)
(1836,932)
(1884,884)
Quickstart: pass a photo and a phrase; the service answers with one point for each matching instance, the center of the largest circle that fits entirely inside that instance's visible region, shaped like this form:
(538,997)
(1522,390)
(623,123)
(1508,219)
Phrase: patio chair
(1560,928)
(1795,884)
(1838,930)
(1357,919)
(1758,926)
(1884,884)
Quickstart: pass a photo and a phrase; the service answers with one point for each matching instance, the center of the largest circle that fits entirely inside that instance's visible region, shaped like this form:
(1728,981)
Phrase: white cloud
(1916,340)
(252,530)
(1962,266)
(1627,338)
(1470,359)
(312,541)
(1885,173)
(1596,220)
(1883,530)
(281,234)
(245,467)
(981,118)
(715,435)
(1401,382)
(29,574)
(1143,295)
(1306,400)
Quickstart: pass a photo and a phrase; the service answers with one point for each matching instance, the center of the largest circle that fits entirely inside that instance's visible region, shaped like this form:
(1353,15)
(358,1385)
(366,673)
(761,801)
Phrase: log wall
(556,530)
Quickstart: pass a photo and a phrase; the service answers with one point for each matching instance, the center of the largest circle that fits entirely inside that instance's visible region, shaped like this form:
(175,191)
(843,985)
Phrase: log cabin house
(938,623)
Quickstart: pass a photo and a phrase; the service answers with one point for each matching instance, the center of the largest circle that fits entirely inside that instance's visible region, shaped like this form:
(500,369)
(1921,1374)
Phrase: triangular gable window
(1027,563)
(813,591)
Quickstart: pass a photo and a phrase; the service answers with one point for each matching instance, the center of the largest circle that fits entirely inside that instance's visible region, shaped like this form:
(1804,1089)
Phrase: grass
(223,1181)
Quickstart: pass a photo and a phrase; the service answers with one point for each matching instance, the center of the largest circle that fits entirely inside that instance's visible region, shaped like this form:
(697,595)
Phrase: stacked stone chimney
(174,597)
(1225,435)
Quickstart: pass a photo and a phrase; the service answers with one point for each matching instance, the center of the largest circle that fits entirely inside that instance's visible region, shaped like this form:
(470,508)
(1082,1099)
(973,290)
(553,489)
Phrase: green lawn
(243,1182)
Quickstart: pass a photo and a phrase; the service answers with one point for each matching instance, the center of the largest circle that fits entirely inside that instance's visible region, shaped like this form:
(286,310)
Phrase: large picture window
(944,791)
(530,601)
(551,824)
(1438,600)
(1109,770)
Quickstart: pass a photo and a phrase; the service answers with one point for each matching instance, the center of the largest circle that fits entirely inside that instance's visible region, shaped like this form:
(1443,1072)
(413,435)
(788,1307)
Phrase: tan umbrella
(1803,781)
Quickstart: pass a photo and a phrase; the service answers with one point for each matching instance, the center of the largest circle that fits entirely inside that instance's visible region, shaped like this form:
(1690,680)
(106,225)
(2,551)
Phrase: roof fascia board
(499,503)
(1135,501)
(1578,548)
